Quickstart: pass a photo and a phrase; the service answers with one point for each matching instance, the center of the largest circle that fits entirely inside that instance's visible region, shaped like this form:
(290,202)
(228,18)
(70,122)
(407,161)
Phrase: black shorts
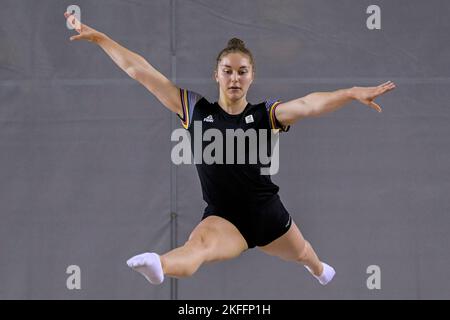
(259,225)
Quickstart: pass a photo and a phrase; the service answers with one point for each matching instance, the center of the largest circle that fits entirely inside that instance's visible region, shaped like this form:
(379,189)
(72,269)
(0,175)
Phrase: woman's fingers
(78,37)
(375,106)
(385,84)
(367,95)
(388,84)
(390,87)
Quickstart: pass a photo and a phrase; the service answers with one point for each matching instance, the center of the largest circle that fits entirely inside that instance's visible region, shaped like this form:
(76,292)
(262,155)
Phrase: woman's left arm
(318,103)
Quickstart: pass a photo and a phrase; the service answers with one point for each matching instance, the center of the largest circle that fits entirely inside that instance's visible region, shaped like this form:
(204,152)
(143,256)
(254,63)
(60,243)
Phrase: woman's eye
(241,72)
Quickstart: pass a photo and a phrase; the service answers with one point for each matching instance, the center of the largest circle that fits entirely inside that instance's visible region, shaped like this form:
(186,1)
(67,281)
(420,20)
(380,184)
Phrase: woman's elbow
(132,72)
(139,73)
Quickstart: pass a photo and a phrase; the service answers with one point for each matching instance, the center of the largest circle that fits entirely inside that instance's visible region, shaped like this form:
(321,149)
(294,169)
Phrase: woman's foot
(327,274)
(149,265)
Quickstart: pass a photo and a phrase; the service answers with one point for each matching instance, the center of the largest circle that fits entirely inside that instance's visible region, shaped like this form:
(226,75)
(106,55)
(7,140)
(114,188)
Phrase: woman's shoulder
(261,105)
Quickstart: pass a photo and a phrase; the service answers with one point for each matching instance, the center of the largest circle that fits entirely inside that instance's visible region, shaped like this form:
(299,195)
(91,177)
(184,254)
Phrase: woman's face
(234,70)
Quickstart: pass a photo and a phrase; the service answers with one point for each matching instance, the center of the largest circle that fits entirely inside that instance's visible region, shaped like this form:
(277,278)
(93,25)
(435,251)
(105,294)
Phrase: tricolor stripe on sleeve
(274,124)
(185,107)
(189,100)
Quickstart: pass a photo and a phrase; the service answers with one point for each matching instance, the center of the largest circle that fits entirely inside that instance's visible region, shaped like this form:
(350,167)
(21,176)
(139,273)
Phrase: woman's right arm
(133,64)
(143,72)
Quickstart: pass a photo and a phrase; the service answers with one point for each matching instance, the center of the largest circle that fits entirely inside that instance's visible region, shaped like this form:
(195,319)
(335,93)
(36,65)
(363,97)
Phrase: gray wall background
(85,170)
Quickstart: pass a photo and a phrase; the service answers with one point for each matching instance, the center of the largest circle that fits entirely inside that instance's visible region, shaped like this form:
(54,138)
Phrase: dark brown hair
(235,45)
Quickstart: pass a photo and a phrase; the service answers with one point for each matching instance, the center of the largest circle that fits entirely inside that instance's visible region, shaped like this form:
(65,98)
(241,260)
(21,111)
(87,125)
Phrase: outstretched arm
(318,103)
(133,64)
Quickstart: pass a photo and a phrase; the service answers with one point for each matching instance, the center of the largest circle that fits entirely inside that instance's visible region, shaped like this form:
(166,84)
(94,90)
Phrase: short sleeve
(271,106)
(188,101)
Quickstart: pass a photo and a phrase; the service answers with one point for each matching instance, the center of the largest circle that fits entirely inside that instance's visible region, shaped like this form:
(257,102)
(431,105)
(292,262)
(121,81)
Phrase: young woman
(243,207)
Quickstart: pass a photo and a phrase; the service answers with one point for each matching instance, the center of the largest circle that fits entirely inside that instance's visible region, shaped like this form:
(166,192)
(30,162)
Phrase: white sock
(149,265)
(327,273)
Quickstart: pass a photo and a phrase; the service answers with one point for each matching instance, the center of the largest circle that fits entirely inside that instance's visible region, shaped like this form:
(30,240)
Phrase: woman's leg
(293,247)
(213,239)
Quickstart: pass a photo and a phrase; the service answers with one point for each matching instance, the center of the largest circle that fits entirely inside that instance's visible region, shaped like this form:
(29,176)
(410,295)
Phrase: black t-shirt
(230,181)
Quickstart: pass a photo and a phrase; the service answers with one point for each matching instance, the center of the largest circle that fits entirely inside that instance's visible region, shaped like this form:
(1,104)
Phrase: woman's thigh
(288,247)
(219,237)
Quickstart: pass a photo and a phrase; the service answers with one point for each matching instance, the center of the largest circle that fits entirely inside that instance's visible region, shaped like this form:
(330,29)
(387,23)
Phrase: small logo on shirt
(209,119)
(289,221)
(249,119)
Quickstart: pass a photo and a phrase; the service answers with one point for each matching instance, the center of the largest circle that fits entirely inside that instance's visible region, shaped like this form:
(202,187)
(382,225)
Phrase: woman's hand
(85,32)
(366,95)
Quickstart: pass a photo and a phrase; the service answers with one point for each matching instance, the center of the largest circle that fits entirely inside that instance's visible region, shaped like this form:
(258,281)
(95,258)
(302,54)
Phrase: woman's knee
(201,242)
